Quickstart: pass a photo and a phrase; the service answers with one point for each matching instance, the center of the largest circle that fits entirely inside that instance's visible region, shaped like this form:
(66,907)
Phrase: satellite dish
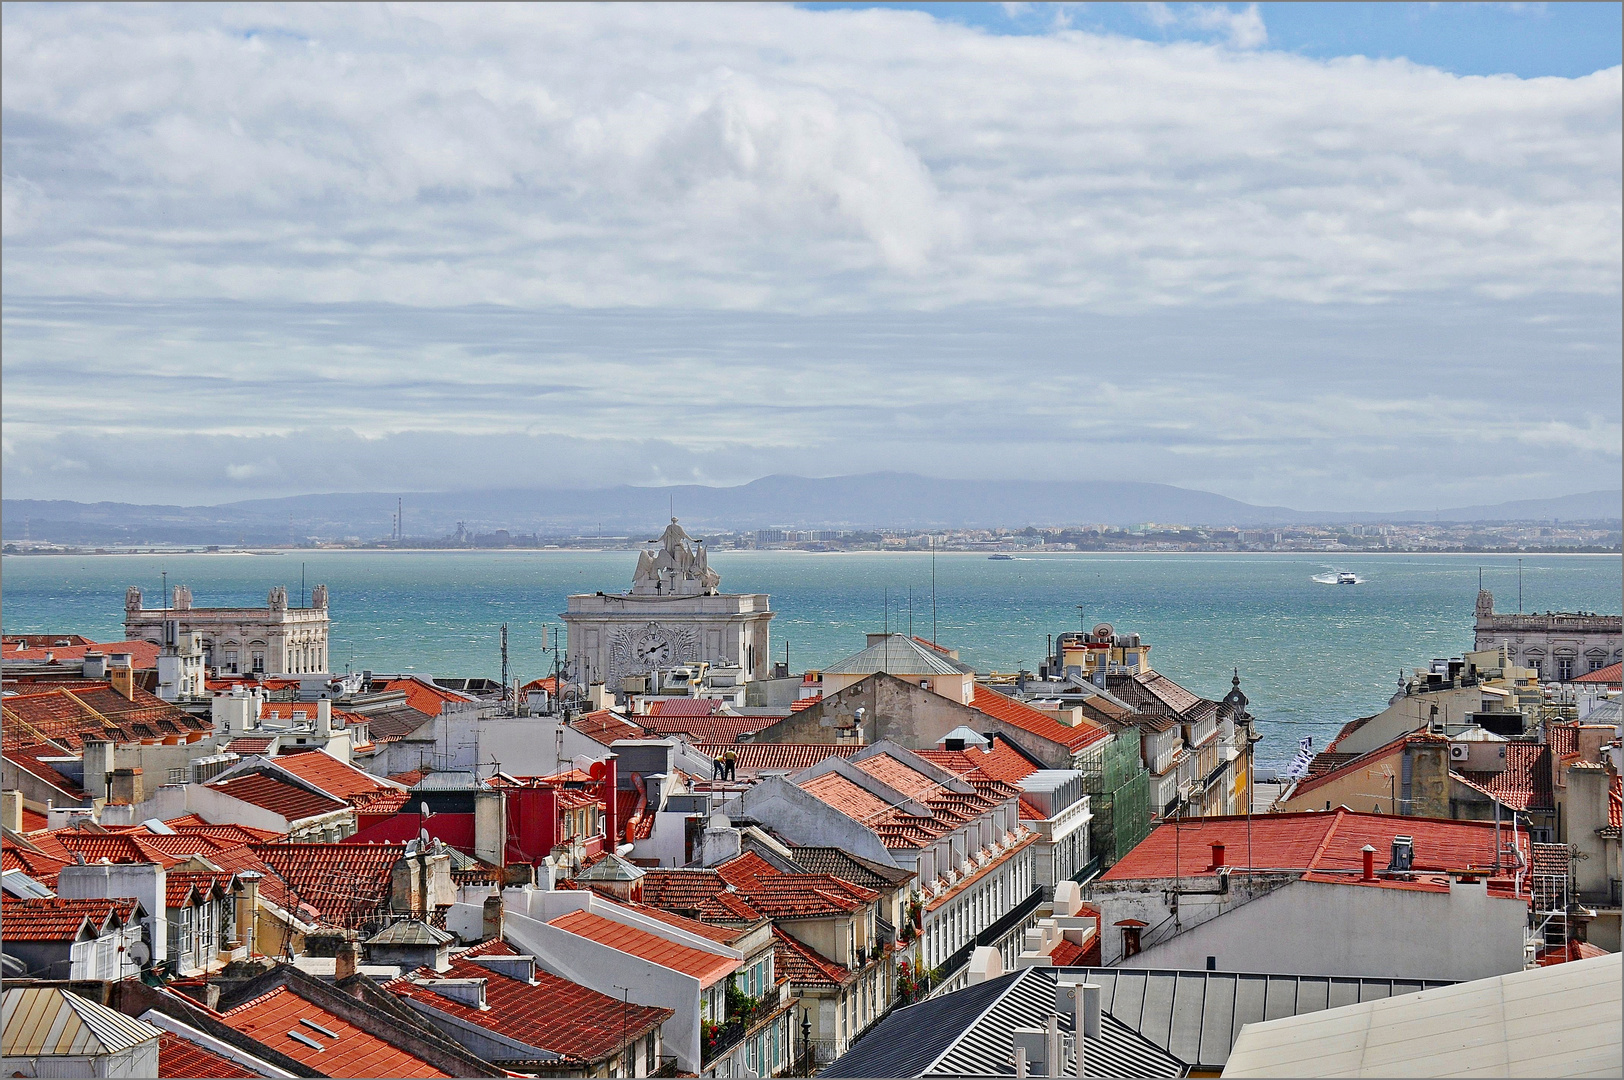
(1104,631)
(598,771)
(583,763)
(140,955)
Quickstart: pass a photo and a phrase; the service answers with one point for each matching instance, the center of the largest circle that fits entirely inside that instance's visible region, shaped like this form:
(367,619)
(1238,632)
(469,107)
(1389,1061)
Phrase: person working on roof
(718,769)
(731,760)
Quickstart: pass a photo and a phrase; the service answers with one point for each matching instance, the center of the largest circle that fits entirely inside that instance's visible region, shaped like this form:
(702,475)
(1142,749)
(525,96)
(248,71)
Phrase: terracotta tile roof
(188,887)
(115,848)
(347,883)
(554,1014)
(1611,675)
(184,820)
(249,744)
(426,698)
(722,935)
(289,711)
(1320,845)
(143,654)
(1563,739)
(395,723)
(229,832)
(179,1058)
(780,757)
(231,856)
(848,867)
(802,704)
(1000,761)
(805,966)
(1327,761)
(549,684)
(33,822)
(410,777)
(1019,714)
(342,1049)
(1067,954)
(685,706)
(895,774)
(605,726)
(27,758)
(91,709)
(41,867)
(1340,768)
(894,827)
(280,796)
(1525,782)
(708,968)
(1615,803)
(846,796)
(707,729)
(55,919)
(1155,691)
(342,781)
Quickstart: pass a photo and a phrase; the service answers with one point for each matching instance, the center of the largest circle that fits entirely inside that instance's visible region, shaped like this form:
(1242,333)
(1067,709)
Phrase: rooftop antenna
(888,611)
(933,636)
(910,611)
(1080,624)
(301,584)
(504,662)
(1519,586)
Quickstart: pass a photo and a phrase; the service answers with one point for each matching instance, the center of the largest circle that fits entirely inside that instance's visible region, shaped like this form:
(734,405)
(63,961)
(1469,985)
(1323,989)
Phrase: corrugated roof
(1549,1021)
(708,968)
(780,757)
(48,1022)
(1198,1015)
(896,655)
(973,1036)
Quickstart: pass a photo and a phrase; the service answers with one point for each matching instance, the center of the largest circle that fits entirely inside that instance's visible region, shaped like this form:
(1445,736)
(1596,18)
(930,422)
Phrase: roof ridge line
(1325,841)
(982,1015)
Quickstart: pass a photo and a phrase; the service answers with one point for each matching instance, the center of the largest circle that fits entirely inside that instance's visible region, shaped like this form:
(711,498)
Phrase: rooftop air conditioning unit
(1457,751)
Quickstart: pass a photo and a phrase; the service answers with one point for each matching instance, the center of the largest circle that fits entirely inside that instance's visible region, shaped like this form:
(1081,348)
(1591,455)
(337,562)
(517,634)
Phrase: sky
(1342,257)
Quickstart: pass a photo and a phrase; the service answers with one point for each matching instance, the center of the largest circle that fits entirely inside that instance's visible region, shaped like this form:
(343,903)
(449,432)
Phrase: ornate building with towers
(673,614)
(1560,645)
(273,640)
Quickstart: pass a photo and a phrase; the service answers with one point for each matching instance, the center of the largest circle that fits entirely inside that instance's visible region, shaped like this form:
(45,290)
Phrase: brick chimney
(122,676)
(126,786)
(344,961)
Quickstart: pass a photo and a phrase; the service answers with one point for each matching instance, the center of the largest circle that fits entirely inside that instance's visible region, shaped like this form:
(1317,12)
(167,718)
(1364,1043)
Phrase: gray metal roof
(898,654)
(410,932)
(1560,1020)
(1607,712)
(46,1021)
(972,1032)
(1197,1015)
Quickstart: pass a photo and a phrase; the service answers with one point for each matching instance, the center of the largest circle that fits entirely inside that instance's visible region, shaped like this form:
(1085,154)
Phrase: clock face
(653,648)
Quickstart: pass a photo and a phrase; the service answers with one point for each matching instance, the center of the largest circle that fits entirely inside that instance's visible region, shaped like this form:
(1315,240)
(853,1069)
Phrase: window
(1597,665)
(1564,668)
(259,663)
(648,1057)
(177,776)
(231,661)
(1130,941)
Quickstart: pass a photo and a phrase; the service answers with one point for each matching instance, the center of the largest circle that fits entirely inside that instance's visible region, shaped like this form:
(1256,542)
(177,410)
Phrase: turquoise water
(1311,655)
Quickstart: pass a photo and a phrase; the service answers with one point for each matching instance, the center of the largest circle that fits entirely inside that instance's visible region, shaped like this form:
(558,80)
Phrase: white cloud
(821,236)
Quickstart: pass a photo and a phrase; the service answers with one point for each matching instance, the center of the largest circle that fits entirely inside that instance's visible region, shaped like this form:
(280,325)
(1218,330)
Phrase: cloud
(391,247)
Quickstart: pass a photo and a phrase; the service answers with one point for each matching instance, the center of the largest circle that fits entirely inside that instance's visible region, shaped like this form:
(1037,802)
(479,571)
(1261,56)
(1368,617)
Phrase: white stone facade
(1559,645)
(672,615)
(272,640)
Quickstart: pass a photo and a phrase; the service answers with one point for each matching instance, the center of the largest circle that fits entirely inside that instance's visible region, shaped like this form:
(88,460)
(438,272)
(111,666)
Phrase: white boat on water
(1346,579)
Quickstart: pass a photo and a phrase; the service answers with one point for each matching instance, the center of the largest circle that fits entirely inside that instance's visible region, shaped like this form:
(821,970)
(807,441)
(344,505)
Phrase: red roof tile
(1067,954)
(425,697)
(1611,675)
(278,795)
(802,704)
(41,867)
(780,757)
(27,758)
(179,1058)
(685,706)
(33,822)
(708,968)
(1000,761)
(848,797)
(249,744)
(1563,739)
(604,726)
(1319,845)
(143,654)
(349,1051)
(55,919)
(347,883)
(1615,803)
(1345,763)
(1525,782)
(695,892)
(115,847)
(342,781)
(707,729)
(68,714)
(1023,716)
(899,776)
(553,1014)
(804,965)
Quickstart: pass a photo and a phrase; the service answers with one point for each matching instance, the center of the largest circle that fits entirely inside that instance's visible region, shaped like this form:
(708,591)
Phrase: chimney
(248,908)
(611,809)
(97,762)
(344,960)
(122,677)
(324,718)
(11,810)
(491,918)
(95,665)
(1217,855)
(1370,863)
(126,786)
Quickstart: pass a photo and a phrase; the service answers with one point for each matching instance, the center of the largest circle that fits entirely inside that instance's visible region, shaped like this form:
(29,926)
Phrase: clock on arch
(653,647)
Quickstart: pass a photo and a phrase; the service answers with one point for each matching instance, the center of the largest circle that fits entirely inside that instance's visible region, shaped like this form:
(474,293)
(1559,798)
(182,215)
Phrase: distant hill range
(881,500)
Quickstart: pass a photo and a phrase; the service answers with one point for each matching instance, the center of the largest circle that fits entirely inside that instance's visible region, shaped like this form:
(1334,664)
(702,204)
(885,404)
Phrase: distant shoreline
(1016,555)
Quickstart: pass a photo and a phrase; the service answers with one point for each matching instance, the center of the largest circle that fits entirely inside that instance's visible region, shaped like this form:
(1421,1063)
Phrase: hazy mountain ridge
(883,500)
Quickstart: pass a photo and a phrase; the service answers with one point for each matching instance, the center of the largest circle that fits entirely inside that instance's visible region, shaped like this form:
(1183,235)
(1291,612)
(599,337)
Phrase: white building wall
(1320,928)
